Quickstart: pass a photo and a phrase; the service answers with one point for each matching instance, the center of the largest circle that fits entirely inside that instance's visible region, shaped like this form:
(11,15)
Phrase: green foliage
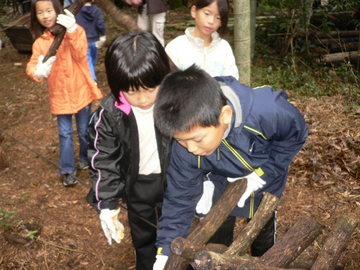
(6,218)
(305,80)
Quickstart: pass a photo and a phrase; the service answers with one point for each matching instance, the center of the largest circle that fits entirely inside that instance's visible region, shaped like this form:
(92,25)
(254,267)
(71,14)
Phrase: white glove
(112,227)
(67,20)
(160,262)
(43,69)
(254,182)
(100,42)
(205,202)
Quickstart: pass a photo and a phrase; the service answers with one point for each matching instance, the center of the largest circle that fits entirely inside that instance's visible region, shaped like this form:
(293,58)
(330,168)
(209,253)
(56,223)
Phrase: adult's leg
(67,157)
(143,18)
(158,26)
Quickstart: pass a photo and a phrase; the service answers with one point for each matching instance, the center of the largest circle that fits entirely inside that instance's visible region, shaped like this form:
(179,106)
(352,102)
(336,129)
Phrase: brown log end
(177,246)
(202,260)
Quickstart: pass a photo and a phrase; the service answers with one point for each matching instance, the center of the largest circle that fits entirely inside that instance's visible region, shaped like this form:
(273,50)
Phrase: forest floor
(54,228)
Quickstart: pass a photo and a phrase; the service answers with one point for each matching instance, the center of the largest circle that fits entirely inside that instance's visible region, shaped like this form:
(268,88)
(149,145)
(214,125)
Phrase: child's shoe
(70,180)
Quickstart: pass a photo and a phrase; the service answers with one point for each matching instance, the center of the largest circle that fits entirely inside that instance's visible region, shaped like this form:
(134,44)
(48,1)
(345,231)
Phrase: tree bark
(296,239)
(334,244)
(242,39)
(252,229)
(208,260)
(338,57)
(205,229)
(117,15)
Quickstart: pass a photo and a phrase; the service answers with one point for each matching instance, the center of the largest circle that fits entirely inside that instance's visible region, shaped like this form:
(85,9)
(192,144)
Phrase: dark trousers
(144,204)
(264,241)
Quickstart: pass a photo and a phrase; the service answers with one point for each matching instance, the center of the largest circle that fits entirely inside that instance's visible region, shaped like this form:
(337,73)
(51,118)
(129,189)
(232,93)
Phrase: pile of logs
(338,45)
(194,251)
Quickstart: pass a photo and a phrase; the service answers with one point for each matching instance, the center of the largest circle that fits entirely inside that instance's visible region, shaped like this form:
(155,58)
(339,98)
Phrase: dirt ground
(323,181)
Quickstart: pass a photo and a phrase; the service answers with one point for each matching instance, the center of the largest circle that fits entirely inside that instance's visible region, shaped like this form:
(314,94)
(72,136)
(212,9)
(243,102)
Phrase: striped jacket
(114,153)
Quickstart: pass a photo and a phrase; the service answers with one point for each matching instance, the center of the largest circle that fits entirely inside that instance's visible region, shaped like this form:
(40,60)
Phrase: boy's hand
(67,20)
(112,227)
(100,42)
(205,202)
(160,262)
(43,69)
(254,182)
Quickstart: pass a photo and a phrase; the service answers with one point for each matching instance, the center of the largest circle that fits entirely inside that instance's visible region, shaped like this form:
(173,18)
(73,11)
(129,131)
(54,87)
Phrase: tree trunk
(252,229)
(117,15)
(209,225)
(296,239)
(253,26)
(242,40)
(334,244)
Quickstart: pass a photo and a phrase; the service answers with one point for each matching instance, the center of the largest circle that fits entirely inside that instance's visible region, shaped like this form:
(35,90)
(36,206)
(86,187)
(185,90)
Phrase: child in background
(202,45)
(232,131)
(92,20)
(128,155)
(71,88)
(151,16)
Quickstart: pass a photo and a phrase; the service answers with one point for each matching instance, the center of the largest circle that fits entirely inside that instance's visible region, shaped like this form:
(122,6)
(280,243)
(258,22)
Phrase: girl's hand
(134,2)
(43,69)
(67,20)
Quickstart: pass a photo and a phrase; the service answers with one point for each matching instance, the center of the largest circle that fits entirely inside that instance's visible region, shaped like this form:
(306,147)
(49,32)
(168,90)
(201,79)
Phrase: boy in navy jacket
(226,131)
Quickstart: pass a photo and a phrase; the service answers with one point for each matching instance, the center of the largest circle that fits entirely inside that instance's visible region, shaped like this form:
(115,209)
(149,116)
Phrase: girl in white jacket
(202,44)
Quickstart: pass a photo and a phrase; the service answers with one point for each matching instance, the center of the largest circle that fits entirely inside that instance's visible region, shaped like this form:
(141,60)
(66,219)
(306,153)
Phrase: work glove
(100,42)
(43,69)
(112,227)
(160,262)
(254,182)
(67,20)
(205,202)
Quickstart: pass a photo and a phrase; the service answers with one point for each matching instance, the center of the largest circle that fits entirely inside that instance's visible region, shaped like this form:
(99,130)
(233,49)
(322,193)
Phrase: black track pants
(144,200)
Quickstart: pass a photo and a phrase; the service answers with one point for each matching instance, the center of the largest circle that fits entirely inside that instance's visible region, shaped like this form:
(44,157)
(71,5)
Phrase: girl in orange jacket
(71,87)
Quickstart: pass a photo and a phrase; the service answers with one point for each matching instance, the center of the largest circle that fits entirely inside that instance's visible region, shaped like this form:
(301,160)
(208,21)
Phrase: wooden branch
(252,229)
(205,229)
(337,57)
(208,260)
(184,248)
(296,239)
(59,31)
(117,15)
(334,244)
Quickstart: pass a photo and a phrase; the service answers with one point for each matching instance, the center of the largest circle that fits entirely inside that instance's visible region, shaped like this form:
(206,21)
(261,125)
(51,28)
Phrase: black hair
(135,60)
(187,99)
(223,7)
(36,29)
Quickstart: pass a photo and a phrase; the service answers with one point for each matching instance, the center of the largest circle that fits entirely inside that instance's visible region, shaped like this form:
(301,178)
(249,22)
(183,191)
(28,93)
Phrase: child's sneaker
(69,180)
(83,165)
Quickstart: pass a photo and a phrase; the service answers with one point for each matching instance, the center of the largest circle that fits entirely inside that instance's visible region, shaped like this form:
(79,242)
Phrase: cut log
(59,31)
(252,229)
(205,229)
(208,260)
(184,248)
(295,240)
(338,57)
(334,244)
